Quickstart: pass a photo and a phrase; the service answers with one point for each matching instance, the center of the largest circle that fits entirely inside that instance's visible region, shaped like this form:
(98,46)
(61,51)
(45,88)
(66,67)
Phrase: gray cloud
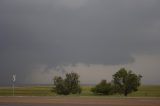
(62,32)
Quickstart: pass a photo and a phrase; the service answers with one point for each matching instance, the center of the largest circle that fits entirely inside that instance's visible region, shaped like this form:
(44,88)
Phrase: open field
(144,91)
(78,101)
(27,91)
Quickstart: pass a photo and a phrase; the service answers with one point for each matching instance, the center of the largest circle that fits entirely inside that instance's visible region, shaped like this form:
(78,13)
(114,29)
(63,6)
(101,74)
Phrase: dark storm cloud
(61,32)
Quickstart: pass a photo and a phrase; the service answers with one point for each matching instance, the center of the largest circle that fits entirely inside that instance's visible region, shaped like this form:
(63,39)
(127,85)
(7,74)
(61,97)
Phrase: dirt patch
(84,100)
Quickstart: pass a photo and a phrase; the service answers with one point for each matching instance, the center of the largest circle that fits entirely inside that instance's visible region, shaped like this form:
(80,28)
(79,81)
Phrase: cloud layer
(67,32)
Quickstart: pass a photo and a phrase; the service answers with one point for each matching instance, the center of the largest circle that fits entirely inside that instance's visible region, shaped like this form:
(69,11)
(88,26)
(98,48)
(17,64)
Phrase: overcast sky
(43,38)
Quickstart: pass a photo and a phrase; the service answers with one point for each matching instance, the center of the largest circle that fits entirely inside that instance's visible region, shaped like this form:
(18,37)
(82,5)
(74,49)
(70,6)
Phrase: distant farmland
(144,91)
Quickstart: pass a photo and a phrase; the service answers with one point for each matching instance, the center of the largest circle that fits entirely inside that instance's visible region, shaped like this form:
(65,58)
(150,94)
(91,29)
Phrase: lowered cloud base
(97,36)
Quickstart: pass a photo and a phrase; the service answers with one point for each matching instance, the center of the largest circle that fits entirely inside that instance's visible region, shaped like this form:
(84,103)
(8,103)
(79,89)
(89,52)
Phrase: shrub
(103,88)
(70,84)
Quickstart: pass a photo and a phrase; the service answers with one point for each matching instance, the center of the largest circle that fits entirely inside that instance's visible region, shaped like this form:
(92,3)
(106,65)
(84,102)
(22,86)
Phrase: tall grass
(144,91)
(147,91)
(27,91)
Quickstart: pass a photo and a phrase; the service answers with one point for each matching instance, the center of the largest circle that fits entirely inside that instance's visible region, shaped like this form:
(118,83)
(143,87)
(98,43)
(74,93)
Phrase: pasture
(144,91)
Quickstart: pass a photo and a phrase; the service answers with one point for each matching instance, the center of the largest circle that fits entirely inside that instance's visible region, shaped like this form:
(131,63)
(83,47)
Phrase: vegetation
(126,82)
(69,85)
(147,91)
(103,88)
(143,91)
(27,91)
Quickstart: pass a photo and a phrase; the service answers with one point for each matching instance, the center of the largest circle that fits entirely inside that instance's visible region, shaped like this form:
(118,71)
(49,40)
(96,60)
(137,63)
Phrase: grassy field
(144,91)
(27,91)
(148,91)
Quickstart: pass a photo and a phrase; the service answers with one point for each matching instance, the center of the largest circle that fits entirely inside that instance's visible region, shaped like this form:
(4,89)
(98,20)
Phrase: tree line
(123,82)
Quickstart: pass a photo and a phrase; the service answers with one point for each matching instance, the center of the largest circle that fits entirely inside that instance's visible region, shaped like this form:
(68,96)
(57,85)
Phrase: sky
(40,39)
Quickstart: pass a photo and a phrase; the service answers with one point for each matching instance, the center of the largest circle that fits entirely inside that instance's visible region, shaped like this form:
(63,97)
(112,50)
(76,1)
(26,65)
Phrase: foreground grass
(147,91)
(27,91)
(144,91)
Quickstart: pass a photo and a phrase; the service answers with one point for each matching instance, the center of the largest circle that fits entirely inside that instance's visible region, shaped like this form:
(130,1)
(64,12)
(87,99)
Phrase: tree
(70,84)
(60,86)
(103,88)
(126,82)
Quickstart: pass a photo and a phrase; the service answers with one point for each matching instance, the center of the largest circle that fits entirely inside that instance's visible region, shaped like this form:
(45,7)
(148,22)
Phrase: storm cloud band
(64,32)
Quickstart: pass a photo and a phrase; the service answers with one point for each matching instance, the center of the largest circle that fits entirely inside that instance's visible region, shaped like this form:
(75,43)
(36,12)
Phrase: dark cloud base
(100,32)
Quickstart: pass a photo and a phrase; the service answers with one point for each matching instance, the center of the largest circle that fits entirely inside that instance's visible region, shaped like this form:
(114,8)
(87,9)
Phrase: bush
(70,84)
(103,88)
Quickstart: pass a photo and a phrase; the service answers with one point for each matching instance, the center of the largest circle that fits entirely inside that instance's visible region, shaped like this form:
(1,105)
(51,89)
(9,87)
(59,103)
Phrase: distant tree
(70,84)
(103,88)
(60,86)
(126,82)
(73,83)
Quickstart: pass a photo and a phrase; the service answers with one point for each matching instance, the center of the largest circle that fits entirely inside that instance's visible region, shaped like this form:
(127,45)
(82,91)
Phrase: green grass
(27,91)
(147,91)
(144,91)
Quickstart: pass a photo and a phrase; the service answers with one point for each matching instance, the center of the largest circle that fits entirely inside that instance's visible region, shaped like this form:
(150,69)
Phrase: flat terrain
(78,101)
(144,91)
